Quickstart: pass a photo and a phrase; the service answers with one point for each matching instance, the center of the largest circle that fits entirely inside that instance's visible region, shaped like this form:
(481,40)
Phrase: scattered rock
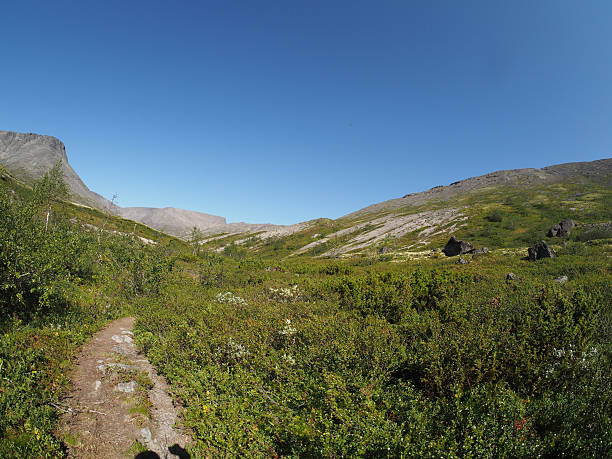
(145,433)
(118,349)
(561,229)
(479,252)
(456,247)
(462,261)
(97,385)
(115,366)
(540,250)
(127,387)
(122,339)
(561,279)
(512,277)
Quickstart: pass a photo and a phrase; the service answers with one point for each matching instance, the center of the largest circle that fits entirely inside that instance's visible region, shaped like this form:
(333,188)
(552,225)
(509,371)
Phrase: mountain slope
(29,156)
(170,220)
(581,172)
(508,208)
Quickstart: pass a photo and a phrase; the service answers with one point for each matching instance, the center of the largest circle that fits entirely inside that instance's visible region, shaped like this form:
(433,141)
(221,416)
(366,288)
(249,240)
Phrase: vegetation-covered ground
(302,357)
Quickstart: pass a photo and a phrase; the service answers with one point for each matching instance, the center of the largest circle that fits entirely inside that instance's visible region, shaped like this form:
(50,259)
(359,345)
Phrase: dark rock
(540,250)
(481,251)
(561,229)
(456,247)
(384,250)
(462,261)
(512,277)
(561,279)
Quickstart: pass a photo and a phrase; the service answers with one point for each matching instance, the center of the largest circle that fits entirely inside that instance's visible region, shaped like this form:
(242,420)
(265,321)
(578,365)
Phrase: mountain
(519,202)
(599,171)
(170,220)
(29,156)
(508,208)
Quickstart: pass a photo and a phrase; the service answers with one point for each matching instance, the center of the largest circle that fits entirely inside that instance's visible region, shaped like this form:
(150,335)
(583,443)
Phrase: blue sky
(286,111)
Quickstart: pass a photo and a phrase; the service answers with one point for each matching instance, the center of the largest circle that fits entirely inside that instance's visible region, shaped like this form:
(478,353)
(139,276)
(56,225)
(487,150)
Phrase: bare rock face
(29,156)
(457,247)
(541,250)
(561,229)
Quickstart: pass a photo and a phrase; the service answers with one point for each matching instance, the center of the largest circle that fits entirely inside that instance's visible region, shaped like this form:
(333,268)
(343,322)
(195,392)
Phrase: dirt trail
(119,403)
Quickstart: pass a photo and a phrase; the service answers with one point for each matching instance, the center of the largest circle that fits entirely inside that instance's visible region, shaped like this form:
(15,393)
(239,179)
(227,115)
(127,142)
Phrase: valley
(354,337)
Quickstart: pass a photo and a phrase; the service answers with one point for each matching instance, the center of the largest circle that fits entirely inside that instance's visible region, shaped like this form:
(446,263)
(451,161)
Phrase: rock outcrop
(457,247)
(540,250)
(561,229)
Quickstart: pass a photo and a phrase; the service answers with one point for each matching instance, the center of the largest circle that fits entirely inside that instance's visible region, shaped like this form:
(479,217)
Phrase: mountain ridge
(599,171)
(29,156)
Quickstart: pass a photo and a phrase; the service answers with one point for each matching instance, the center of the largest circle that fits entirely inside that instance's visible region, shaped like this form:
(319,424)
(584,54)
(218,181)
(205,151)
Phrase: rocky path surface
(119,406)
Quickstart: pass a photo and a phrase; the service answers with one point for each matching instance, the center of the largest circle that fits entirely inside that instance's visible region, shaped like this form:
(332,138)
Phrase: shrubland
(391,359)
(301,357)
(60,281)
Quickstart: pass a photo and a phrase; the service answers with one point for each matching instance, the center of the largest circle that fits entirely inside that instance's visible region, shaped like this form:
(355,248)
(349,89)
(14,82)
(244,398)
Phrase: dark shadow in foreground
(175,449)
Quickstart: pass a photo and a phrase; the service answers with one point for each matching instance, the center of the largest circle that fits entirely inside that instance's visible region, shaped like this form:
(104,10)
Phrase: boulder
(561,229)
(540,250)
(456,247)
(462,261)
(561,279)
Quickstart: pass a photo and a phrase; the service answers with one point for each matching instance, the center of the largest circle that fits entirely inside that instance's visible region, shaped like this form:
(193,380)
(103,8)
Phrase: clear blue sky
(286,111)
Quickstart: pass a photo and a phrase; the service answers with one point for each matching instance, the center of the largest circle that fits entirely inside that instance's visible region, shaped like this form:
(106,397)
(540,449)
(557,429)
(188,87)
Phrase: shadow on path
(175,450)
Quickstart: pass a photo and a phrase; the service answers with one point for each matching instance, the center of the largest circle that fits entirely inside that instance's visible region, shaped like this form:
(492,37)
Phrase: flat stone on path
(127,387)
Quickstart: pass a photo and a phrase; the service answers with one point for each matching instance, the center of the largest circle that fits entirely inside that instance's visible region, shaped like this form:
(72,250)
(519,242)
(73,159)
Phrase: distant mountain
(178,222)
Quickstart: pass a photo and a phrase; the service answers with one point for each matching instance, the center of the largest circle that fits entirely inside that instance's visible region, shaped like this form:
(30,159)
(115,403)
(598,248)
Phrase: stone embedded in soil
(146,434)
(127,387)
(122,339)
(115,366)
(119,350)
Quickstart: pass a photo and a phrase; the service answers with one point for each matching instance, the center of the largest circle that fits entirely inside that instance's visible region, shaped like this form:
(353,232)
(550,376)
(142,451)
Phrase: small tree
(195,237)
(51,188)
